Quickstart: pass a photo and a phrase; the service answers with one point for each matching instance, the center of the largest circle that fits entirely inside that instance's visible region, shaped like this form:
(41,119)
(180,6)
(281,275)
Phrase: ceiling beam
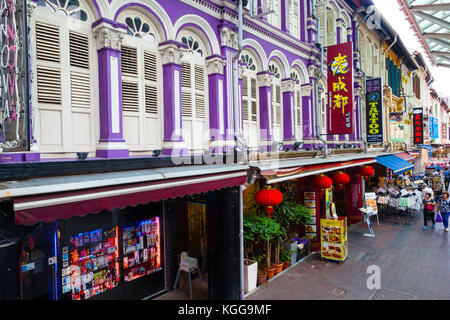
(431,18)
(441,42)
(436,35)
(441,53)
(431,7)
(445,65)
(443,57)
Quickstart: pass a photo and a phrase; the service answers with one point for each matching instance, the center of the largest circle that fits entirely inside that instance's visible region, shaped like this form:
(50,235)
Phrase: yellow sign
(333,239)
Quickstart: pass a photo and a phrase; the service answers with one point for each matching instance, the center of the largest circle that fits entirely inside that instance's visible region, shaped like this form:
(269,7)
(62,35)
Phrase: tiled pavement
(414,264)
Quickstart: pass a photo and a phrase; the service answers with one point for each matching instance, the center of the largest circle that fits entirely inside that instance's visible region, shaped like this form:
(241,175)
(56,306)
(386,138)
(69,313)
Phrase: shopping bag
(438,217)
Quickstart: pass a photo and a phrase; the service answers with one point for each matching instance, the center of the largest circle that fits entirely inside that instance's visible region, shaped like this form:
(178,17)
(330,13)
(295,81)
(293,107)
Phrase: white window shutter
(79,50)
(130,96)
(129,61)
(47,42)
(49,85)
(80,90)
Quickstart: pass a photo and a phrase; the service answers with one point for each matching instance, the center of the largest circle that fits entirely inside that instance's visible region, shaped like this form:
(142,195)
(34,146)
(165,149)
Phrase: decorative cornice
(287,85)
(107,37)
(313,71)
(228,37)
(306,90)
(215,65)
(264,79)
(171,52)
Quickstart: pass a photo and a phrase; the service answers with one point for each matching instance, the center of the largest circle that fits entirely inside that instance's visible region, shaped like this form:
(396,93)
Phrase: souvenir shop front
(120,241)
(332,190)
(391,168)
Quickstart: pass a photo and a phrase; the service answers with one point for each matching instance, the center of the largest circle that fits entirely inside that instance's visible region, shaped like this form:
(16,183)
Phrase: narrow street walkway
(414,263)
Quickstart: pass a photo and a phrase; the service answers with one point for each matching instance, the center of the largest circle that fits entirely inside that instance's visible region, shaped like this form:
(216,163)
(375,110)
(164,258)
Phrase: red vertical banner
(340,89)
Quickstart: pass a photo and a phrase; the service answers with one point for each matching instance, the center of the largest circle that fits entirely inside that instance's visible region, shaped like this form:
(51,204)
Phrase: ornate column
(111,143)
(308,111)
(171,54)
(229,46)
(217,88)
(265,110)
(288,87)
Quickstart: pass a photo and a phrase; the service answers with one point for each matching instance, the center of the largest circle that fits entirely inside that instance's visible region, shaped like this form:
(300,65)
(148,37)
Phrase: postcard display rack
(94,263)
(141,249)
(311,225)
(333,239)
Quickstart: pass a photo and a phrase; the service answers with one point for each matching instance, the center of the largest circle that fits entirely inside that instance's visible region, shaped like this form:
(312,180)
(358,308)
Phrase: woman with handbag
(428,210)
(444,208)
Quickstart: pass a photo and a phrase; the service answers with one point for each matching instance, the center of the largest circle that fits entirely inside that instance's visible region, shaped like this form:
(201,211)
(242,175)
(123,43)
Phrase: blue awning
(396,164)
(429,148)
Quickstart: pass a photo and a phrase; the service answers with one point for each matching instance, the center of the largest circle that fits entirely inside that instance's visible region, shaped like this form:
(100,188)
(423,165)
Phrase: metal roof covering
(430,20)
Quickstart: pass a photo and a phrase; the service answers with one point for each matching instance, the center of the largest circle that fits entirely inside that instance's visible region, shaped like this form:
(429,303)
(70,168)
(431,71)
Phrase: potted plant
(261,274)
(285,257)
(250,266)
(288,214)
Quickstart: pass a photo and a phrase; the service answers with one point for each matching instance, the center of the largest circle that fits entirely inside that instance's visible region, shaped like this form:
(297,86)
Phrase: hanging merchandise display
(333,239)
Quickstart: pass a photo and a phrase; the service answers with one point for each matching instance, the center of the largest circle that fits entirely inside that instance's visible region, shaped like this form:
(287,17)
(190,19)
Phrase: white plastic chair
(187,264)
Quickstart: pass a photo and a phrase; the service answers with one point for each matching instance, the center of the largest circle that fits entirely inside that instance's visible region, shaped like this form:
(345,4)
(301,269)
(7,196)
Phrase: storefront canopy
(280,175)
(406,156)
(396,164)
(429,148)
(50,199)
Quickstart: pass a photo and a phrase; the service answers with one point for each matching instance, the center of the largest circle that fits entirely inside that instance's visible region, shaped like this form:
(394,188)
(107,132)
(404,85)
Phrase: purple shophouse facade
(212,24)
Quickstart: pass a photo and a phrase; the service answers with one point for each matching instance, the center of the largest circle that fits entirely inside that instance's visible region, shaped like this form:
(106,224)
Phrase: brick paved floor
(414,263)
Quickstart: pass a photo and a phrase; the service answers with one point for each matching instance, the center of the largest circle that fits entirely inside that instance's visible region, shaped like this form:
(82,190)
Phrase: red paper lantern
(340,179)
(321,182)
(366,172)
(268,198)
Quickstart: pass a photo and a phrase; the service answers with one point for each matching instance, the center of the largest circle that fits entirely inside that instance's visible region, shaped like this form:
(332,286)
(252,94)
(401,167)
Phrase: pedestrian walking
(428,210)
(444,208)
(447,177)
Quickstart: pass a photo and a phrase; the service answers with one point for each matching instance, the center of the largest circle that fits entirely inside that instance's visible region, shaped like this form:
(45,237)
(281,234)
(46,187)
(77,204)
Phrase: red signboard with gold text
(340,89)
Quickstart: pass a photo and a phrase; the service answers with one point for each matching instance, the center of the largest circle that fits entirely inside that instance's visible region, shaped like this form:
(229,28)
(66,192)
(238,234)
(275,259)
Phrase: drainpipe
(364,74)
(236,113)
(392,44)
(316,85)
(240,142)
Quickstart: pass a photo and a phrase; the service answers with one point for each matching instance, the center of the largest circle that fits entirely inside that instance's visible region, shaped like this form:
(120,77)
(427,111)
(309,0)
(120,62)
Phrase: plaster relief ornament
(108,37)
(228,38)
(215,65)
(171,53)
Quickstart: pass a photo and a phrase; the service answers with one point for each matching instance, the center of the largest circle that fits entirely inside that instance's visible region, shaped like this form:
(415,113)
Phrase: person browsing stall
(444,208)
(428,210)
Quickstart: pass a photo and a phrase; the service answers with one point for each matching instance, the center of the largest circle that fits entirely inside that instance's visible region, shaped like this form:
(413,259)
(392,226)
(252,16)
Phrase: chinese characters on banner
(374,110)
(418,125)
(340,89)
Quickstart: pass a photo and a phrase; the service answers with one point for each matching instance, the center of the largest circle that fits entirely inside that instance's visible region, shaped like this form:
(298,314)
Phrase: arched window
(277,107)
(275,17)
(331,27)
(294,18)
(64,61)
(141,83)
(297,106)
(250,109)
(194,92)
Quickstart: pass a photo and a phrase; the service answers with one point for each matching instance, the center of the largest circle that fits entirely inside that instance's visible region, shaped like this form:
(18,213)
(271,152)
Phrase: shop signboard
(397,130)
(374,110)
(333,239)
(418,125)
(435,128)
(14,76)
(340,89)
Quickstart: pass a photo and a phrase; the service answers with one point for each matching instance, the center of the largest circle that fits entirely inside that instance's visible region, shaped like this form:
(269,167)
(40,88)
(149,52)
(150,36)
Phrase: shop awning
(405,156)
(49,199)
(429,148)
(280,175)
(395,163)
